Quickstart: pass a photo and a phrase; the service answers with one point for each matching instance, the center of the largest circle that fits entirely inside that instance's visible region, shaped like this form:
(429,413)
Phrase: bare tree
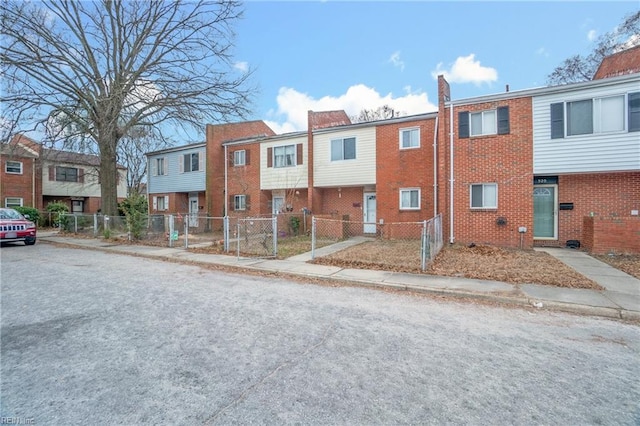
(582,68)
(131,154)
(98,70)
(381,113)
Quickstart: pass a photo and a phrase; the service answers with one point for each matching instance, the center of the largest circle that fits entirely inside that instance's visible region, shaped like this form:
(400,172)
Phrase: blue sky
(355,55)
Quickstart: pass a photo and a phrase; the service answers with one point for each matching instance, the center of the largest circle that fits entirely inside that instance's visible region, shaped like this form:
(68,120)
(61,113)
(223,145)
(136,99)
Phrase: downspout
(435,169)
(33,183)
(451,179)
(226,165)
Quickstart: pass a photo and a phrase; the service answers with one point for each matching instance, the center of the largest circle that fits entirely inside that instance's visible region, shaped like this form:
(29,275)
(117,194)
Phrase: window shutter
(269,157)
(153,166)
(246,157)
(247,202)
(503,120)
(155,203)
(463,124)
(165,166)
(166,202)
(184,160)
(557,120)
(200,161)
(81,175)
(52,173)
(232,158)
(232,204)
(299,154)
(634,112)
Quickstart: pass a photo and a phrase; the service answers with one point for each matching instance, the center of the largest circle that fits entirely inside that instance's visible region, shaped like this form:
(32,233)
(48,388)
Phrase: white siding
(175,179)
(89,187)
(361,171)
(601,152)
(284,177)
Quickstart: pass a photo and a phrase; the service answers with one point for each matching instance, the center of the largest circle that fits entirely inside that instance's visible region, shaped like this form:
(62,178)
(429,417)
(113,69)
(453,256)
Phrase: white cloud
(241,66)
(542,52)
(592,35)
(396,61)
(466,69)
(293,106)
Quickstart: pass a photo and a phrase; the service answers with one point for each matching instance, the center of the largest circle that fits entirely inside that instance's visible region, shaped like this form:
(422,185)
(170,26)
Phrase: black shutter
(503,120)
(557,120)
(269,157)
(463,124)
(247,203)
(299,154)
(634,112)
(247,157)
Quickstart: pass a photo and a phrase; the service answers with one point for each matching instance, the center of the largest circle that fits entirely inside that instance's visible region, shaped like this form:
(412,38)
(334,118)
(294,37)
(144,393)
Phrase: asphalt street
(89,337)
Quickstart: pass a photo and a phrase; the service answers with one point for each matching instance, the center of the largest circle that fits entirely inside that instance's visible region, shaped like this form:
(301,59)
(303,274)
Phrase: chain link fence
(390,245)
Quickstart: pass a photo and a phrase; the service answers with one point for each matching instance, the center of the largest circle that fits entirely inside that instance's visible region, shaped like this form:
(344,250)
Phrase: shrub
(34,214)
(135,208)
(57,208)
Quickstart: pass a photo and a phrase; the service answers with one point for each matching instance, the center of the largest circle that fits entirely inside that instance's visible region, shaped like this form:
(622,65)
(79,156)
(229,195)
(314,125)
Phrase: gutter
(435,169)
(451,174)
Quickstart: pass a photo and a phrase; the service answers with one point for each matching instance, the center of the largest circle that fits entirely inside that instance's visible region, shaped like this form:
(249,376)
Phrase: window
(489,122)
(161,202)
(598,115)
(410,138)
(410,199)
(483,123)
(67,174)
(284,156)
(239,158)
(484,196)
(343,149)
(77,206)
(191,162)
(13,167)
(240,202)
(160,167)
(13,202)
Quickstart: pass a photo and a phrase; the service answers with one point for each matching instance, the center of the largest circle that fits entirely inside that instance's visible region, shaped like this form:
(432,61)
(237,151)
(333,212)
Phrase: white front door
(193,211)
(369,213)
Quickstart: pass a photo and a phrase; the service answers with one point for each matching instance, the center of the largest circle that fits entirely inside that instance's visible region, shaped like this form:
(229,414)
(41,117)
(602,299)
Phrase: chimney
(507,88)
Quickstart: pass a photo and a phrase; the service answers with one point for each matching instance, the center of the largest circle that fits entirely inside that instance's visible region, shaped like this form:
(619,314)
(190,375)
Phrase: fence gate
(257,237)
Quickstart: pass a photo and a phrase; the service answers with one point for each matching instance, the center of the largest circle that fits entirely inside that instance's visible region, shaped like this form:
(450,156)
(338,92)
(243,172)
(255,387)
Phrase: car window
(10,214)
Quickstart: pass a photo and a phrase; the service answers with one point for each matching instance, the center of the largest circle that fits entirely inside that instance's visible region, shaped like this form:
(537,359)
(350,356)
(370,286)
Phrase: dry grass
(480,262)
(629,263)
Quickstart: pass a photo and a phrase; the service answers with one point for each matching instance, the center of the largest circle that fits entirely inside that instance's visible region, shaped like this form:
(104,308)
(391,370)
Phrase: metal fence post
(75,224)
(186,231)
(274,226)
(238,242)
(225,233)
(170,230)
(424,248)
(313,237)
(105,225)
(95,224)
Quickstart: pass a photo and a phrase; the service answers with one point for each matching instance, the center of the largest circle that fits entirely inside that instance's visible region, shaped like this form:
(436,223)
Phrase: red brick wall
(245,180)
(216,135)
(406,168)
(19,185)
(602,235)
(603,194)
(346,201)
(503,159)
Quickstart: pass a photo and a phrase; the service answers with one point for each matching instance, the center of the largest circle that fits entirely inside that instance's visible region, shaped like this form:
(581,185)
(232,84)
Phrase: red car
(15,227)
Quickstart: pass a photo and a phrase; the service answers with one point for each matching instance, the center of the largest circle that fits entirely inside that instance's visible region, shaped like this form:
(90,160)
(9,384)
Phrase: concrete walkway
(621,299)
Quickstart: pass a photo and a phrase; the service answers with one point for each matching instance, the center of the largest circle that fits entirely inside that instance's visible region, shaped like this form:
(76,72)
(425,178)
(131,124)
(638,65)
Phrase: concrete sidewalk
(621,299)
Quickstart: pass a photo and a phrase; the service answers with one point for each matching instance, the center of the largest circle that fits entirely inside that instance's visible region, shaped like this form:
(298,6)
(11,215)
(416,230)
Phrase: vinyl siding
(89,187)
(283,177)
(597,152)
(360,171)
(175,180)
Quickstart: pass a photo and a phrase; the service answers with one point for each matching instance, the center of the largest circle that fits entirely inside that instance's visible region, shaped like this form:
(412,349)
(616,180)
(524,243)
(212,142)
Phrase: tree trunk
(108,177)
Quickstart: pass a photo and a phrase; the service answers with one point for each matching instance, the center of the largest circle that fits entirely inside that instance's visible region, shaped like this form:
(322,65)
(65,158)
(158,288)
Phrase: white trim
(6,202)
(410,190)
(483,207)
(408,129)
(6,165)
(555,213)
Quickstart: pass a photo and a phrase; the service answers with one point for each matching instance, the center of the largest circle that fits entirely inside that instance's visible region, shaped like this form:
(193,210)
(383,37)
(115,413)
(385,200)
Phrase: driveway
(96,338)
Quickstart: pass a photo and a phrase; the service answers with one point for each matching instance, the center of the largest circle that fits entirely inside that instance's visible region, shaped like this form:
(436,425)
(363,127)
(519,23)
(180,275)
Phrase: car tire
(29,242)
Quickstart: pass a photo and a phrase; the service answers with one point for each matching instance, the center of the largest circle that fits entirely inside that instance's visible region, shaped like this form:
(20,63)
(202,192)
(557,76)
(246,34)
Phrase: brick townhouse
(35,176)
(531,167)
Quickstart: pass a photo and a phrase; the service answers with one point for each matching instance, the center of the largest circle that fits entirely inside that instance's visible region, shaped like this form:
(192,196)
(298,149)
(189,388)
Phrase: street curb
(516,301)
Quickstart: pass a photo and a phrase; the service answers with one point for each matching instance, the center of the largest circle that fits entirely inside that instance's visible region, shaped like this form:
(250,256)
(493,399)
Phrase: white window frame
(342,141)
(598,113)
(239,202)
(484,200)
(239,157)
(483,131)
(410,190)
(286,158)
(161,166)
(157,201)
(57,176)
(6,167)
(17,202)
(410,131)
(191,169)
